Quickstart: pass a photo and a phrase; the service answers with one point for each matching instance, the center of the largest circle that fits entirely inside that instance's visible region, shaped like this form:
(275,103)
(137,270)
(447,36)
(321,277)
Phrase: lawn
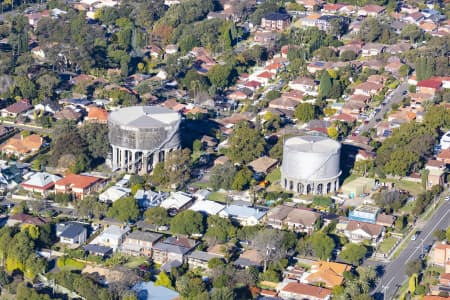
(414,188)
(218,196)
(350,178)
(136,261)
(387,244)
(273,176)
(69,264)
(200,185)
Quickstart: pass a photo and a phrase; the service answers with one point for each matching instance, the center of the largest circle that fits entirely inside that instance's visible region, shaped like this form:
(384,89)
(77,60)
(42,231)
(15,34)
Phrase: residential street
(394,272)
(395,97)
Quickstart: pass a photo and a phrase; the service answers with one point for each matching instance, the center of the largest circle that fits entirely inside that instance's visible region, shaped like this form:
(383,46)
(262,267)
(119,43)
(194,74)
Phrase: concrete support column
(336,185)
(123,158)
(144,164)
(155,159)
(133,161)
(114,158)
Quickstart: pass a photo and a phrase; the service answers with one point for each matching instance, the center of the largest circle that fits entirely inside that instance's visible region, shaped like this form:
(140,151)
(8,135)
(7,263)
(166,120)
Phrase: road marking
(431,232)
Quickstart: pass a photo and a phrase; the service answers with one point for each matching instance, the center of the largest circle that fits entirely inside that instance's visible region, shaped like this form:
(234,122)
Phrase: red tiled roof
(265,74)
(345,118)
(19,107)
(442,246)
(27,219)
(430,83)
(306,290)
(77,181)
(98,113)
(444,154)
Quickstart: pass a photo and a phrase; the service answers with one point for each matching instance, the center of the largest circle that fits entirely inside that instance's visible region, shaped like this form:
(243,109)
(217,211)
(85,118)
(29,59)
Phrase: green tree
(325,84)
(159,176)
(353,253)
(268,243)
(124,209)
(242,179)
(305,112)
(190,286)
(322,245)
(26,87)
(221,75)
(246,144)
(412,285)
(439,234)
(90,208)
(188,222)
(225,293)
(222,176)
(413,267)
(157,215)
(220,230)
(164,280)
(424,178)
(178,166)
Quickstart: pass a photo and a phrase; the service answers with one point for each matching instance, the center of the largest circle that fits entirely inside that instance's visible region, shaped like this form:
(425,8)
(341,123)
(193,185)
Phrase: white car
(447,198)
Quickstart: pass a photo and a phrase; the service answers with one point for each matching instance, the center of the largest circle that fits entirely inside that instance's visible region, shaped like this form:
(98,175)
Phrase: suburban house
(440,256)
(113,194)
(68,113)
(358,232)
(429,86)
(444,156)
(444,279)
(275,21)
(140,243)
(302,220)
(17,108)
(437,170)
(200,259)
(249,258)
(71,233)
(97,115)
(177,201)
(207,207)
(149,198)
(325,22)
(284,104)
(244,215)
(305,85)
(173,248)
(368,88)
(24,219)
(296,219)
(276,216)
(111,237)
(364,213)
(78,185)
(263,164)
(330,274)
(300,291)
(372,49)
(21,146)
(371,10)
(98,250)
(40,182)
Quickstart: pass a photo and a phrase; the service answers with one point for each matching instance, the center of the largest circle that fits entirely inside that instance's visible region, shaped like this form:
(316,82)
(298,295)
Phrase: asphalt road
(396,97)
(394,272)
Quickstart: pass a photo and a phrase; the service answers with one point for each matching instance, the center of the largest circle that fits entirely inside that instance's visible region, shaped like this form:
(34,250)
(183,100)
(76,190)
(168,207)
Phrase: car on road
(427,249)
(414,237)
(404,93)
(447,198)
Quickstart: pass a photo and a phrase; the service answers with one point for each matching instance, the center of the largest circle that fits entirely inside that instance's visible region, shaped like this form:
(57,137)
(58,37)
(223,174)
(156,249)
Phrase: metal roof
(144,116)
